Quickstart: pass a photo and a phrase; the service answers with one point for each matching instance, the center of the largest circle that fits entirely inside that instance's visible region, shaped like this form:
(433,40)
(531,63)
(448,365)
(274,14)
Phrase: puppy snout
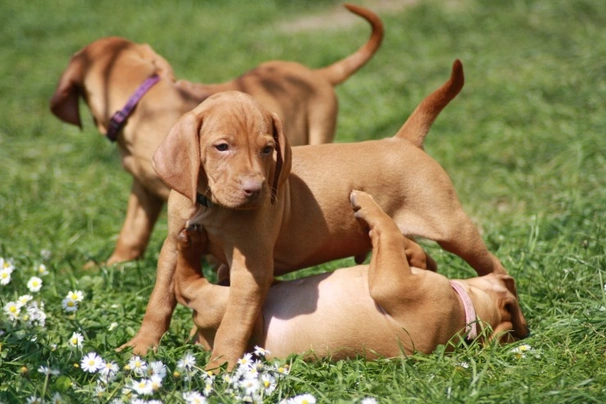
(252,187)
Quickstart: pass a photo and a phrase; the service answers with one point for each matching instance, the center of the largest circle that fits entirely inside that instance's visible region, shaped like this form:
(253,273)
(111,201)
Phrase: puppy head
(229,149)
(95,71)
(496,301)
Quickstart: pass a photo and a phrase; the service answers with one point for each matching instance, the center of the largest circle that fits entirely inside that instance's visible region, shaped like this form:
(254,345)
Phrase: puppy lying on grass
(384,309)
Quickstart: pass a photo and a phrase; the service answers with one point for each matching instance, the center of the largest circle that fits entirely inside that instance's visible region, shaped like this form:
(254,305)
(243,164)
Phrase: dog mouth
(238,198)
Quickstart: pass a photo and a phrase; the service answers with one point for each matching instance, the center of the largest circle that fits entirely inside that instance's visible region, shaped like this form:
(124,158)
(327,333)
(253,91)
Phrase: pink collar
(471,319)
(119,118)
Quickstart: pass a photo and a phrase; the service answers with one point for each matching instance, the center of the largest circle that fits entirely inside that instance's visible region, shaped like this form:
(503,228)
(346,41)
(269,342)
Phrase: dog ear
(161,65)
(283,157)
(64,102)
(177,159)
(511,306)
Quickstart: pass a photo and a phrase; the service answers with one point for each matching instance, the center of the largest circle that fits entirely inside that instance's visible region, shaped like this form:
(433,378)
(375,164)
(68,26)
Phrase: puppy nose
(252,187)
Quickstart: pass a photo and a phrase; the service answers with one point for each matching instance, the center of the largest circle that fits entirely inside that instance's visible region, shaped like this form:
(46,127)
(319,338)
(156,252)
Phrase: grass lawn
(525,145)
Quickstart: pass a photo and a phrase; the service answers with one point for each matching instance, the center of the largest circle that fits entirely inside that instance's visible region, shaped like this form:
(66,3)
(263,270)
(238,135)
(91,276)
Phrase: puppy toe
(183,239)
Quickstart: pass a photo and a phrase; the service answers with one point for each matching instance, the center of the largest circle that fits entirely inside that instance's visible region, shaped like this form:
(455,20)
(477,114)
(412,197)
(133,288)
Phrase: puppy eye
(222,147)
(267,149)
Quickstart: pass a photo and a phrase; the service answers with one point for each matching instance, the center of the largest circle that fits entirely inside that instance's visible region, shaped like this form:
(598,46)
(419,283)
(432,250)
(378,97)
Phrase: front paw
(191,239)
(364,206)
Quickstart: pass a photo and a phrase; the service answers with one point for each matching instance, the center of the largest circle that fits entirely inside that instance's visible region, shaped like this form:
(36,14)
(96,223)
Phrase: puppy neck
(471,318)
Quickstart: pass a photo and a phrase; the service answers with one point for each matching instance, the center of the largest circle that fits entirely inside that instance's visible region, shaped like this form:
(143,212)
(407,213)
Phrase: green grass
(524,144)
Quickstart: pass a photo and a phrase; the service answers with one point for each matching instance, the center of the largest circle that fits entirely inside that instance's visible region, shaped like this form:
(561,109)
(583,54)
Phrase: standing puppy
(134,99)
(384,309)
(229,165)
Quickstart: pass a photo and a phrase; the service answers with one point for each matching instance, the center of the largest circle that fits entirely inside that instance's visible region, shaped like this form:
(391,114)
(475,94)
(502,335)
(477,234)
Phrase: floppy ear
(177,159)
(283,157)
(163,68)
(512,306)
(64,102)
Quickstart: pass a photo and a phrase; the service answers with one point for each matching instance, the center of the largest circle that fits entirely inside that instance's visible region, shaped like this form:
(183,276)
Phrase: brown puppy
(384,309)
(108,71)
(220,161)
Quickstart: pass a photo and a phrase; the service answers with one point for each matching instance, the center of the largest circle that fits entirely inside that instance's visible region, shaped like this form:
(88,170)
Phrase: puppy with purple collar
(385,309)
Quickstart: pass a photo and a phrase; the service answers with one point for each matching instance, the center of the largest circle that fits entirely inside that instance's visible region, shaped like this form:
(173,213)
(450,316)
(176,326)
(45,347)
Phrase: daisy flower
(187,362)
(41,270)
(369,400)
(12,310)
(35,313)
(137,365)
(259,351)
(268,382)
(143,387)
(75,295)
(25,299)
(57,399)
(34,400)
(109,370)
(521,351)
(155,382)
(157,368)
(245,361)
(34,284)
(69,305)
(76,340)
(304,399)
(193,397)
(5,275)
(92,363)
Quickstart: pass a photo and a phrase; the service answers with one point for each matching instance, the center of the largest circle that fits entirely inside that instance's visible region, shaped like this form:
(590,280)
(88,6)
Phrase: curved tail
(418,124)
(338,72)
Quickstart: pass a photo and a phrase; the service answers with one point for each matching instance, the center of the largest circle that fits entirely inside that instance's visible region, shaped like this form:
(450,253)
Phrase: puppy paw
(364,206)
(191,239)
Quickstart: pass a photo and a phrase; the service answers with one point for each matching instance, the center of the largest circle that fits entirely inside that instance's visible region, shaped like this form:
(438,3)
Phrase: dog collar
(118,120)
(471,319)
(203,200)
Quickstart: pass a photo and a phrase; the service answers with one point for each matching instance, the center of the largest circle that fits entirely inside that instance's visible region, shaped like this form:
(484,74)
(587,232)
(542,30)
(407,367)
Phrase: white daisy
(25,299)
(187,362)
(57,399)
(245,361)
(259,351)
(155,382)
(69,305)
(193,397)
(92,362)
(12,310)
(76,340)
(109,370)
(41,270)
(157,368)
(5,276)
(304,399)
(137,365)
(75,295)
(369,400)
(34,284)
(143,387)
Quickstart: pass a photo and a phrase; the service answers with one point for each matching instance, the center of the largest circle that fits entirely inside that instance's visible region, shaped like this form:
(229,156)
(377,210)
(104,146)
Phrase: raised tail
(338,72)
(418,124)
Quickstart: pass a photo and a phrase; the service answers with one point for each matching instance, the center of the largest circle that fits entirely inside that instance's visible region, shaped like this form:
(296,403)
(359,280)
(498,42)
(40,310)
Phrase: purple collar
(471,319)
(119,118)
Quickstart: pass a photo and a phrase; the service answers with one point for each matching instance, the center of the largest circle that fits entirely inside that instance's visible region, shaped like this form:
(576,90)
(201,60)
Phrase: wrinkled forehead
(235,113)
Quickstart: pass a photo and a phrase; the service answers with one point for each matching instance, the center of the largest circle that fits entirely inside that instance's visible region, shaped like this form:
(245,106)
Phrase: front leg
(390,278)
(142,212)
(251,274)
(162,301)
(207,301)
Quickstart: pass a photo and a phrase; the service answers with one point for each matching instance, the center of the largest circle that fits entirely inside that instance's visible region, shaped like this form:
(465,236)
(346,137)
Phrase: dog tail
(338,72)
(418,124)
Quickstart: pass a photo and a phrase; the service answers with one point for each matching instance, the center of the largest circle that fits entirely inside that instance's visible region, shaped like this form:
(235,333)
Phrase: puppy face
(229,149)
(499,306)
